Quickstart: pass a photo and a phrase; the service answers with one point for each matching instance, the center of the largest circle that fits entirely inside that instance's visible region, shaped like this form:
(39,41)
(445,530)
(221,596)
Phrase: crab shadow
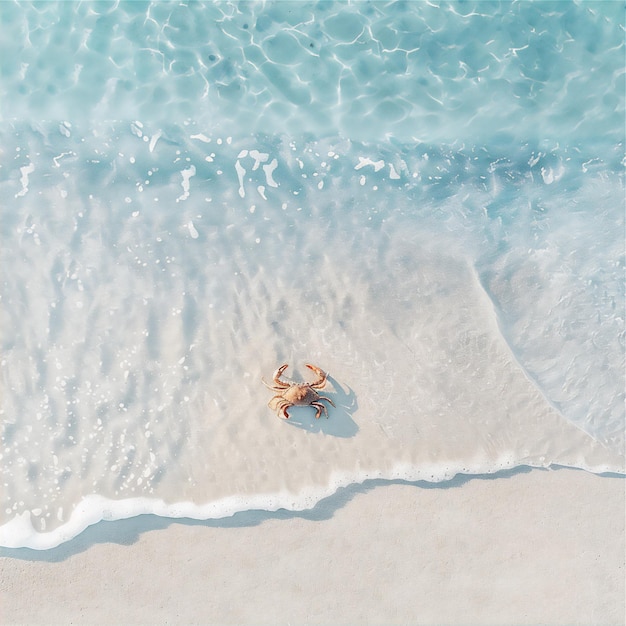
(339,422)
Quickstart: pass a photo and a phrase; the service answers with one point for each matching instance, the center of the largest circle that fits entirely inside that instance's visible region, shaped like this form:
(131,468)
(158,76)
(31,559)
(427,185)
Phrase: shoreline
(19,540)
(527,546)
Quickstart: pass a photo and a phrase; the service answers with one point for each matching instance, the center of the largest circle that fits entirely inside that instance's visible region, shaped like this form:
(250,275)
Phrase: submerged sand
(529,547)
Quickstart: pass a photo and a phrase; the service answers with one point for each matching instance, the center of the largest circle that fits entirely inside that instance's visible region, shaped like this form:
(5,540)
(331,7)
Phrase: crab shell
(297,394)
(300,394)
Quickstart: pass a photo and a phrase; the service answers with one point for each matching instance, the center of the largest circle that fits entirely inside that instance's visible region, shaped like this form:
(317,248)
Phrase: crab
(297,394)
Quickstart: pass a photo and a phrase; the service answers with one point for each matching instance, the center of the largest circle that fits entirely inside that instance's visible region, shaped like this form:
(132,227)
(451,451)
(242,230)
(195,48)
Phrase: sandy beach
(424,201)
(528,547)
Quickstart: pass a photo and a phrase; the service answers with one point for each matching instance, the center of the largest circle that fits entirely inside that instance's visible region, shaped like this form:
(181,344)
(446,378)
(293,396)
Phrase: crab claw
(278,383)
(321,381)
(278,373)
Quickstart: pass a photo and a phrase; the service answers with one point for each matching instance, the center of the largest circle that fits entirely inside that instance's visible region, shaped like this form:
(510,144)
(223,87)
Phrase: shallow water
(426,202)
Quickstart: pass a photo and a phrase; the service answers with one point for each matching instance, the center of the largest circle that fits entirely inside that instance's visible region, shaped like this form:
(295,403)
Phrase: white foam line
(19,532)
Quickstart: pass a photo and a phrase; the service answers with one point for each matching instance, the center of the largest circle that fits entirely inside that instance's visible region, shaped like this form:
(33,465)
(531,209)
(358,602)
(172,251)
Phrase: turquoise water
(427,200)
(472,72)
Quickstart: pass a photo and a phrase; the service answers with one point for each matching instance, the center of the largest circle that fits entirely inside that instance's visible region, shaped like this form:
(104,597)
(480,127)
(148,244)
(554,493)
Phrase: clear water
(426,201)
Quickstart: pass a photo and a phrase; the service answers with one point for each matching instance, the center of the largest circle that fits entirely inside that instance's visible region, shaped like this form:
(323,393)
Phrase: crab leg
(327,400)
(280,405)
(272,387)
(319,407)
(282,408)
(321,381)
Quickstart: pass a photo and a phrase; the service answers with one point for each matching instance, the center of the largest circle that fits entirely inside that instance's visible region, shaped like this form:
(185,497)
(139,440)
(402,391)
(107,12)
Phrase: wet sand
(527,547)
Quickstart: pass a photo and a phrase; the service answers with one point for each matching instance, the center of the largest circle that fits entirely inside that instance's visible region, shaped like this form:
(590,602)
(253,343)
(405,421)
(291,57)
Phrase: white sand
(538,547)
